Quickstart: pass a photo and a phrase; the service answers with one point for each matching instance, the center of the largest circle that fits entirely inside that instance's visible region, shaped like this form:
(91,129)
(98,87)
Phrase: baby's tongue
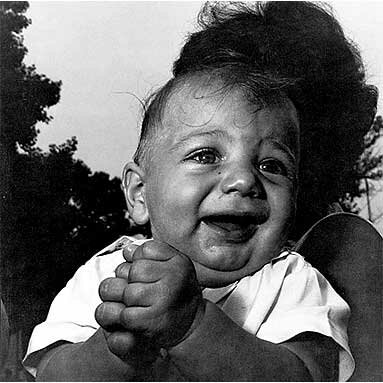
(230,223)
(233,227)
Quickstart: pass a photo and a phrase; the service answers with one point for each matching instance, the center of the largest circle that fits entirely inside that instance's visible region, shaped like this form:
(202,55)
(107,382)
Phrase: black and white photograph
(191,191)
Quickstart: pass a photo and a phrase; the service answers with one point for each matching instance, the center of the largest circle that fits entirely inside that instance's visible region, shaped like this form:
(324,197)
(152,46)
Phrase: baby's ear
(134,188)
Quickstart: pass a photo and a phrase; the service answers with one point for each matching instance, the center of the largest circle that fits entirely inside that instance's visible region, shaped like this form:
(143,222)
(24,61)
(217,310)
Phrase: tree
(54,212)
(62,214)
(25,96)
(370,164)
(369,167)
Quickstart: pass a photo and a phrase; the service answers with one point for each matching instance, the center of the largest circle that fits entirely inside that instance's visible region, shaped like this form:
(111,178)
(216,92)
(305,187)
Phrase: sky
(108,53)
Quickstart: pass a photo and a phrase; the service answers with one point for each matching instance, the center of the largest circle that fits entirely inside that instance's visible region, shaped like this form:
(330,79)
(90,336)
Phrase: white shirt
(283,299)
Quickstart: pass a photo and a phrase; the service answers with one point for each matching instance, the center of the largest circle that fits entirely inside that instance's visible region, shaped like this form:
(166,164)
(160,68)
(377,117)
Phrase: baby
(213,295)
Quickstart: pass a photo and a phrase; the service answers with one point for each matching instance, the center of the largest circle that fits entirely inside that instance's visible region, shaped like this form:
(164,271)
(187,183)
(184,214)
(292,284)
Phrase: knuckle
(125,318)
(164,294)
(132,295)
(122,270)
(184,261)
(134,271)
(128,296)
(150,248)
(187,268)
(107,315)
(128,318)
(140,270)
(135,319)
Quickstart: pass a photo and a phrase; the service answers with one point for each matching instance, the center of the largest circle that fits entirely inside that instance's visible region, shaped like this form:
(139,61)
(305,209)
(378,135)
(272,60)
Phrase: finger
(122,270)
(132,347)
(108,315)
(139,319)
(121,343)
(154,250)
(140,294)
(145,271)
(112,289)
(128,251)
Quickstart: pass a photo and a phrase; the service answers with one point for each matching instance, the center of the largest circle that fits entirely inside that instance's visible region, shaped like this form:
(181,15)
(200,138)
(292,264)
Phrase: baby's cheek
(285,201)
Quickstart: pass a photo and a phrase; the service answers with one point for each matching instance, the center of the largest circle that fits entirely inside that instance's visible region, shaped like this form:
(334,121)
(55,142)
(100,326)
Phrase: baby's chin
(213,278)
(221,268)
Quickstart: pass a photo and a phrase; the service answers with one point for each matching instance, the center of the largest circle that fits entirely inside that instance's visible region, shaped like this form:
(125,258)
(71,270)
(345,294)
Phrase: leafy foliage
(55,212)
(61,214)
(25,94)
(370,164)
(368,167)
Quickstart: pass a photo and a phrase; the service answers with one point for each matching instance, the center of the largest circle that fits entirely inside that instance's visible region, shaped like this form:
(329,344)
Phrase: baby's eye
(204,156)
(273,166)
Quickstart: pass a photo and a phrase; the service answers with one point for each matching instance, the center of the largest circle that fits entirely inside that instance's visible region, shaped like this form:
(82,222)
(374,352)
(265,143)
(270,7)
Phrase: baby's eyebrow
(280,146)
(219,134)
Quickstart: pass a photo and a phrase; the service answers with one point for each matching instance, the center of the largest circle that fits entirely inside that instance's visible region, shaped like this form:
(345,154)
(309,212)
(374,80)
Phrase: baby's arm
(111,354)
(164,303)
(217,350)
(86,361)
(100,358)
(151,303)
(93,360)
(220,350)
(212,346)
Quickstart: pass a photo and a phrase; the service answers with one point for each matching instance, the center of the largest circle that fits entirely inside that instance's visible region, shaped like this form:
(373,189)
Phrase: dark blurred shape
(349,252)
(60,214)
(4,335)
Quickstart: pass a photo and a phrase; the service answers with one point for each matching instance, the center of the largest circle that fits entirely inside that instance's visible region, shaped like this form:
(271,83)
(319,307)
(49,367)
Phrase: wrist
(193,356)
(198,318)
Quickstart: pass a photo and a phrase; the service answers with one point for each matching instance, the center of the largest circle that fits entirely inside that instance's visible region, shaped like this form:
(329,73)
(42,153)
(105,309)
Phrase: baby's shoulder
(290,262)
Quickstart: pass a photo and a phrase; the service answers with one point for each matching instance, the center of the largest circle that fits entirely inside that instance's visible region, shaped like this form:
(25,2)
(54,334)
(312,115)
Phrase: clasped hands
(152,303)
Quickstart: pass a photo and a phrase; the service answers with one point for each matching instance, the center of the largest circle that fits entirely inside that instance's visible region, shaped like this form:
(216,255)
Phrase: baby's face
(221,184)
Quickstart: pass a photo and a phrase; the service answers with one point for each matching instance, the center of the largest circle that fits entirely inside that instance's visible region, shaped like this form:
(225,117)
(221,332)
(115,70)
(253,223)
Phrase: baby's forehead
(196,102)
(268,127)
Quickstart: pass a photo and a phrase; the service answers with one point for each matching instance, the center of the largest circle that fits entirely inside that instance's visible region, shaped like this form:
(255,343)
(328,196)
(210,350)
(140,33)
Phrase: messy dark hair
(303,47)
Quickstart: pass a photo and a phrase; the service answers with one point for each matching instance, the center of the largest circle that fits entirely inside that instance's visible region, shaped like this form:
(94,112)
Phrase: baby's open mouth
(232,227)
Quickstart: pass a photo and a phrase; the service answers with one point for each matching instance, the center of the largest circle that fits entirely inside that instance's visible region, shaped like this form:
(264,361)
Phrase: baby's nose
(243,181)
